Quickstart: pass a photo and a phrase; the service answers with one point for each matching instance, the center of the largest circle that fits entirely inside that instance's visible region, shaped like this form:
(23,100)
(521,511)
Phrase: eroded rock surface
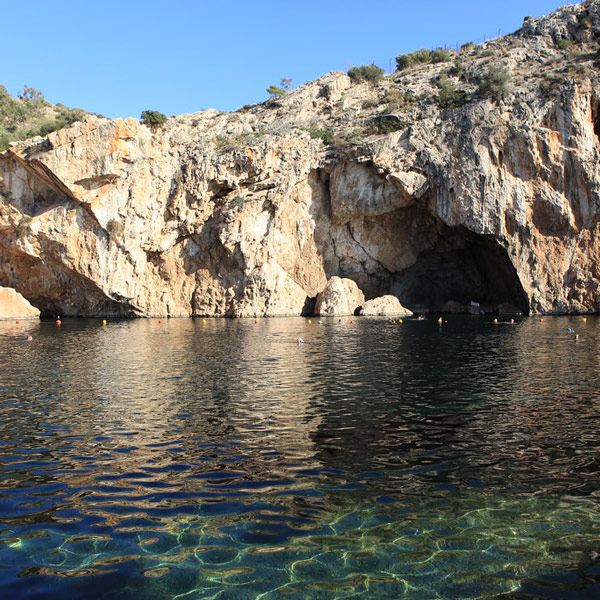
(252,212)
(384,306)
(340,297)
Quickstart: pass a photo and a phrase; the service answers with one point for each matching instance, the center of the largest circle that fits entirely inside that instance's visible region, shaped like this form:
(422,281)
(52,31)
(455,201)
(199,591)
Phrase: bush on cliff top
(29,115)
(370,73)
(153,119)
(423,57)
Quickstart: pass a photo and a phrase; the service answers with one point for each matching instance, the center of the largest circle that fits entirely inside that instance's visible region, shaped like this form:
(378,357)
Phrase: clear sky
(118,58)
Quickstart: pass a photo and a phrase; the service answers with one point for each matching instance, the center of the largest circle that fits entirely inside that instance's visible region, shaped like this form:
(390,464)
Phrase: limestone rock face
(340,297)
(252,212)
(384,306)
(14,306)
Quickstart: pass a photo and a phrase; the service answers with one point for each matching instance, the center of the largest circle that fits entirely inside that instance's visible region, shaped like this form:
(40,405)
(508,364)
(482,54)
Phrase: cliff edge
(473,181)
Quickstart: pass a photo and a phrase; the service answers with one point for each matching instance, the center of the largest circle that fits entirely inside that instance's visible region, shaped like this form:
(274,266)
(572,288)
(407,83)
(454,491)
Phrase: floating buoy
(256,320)
(204,321)
(309,321)
(351,321)
(103,321)
(159,321)
(400,321)
(440,320)
(541,320)
(584,320)
(495,320)
(58,322)
(18,322)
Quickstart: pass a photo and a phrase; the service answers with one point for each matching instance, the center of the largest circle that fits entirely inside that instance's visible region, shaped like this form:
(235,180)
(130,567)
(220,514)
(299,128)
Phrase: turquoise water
(224,460)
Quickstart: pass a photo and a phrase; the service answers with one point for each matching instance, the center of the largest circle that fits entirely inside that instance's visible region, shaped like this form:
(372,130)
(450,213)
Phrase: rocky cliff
(490,199)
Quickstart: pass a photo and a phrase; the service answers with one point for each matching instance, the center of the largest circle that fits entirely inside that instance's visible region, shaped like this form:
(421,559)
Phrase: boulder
(14,306)
(384,306)
(340,297)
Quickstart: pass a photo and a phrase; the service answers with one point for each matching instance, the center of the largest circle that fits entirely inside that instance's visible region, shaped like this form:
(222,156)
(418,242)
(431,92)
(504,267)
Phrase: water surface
(223,459)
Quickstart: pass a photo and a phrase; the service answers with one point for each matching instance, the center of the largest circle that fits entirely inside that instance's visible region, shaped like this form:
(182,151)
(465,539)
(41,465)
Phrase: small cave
(463,272)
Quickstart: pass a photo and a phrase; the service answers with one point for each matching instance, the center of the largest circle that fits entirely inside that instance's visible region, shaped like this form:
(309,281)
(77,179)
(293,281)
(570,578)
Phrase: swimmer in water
(29,339)
(300,341)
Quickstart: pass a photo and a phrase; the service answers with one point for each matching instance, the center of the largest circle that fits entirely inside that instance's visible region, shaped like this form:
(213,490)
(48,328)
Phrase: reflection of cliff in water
(179,409)
(434,406)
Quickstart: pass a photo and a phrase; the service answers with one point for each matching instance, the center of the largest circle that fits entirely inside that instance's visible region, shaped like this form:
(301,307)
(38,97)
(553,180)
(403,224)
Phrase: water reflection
(225,458)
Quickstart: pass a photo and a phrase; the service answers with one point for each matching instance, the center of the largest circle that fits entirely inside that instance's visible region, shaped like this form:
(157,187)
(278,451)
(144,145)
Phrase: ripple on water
(227,461)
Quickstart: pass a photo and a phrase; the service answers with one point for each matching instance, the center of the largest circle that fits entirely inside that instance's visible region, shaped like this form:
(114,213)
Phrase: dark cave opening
(464,272)
(596,121)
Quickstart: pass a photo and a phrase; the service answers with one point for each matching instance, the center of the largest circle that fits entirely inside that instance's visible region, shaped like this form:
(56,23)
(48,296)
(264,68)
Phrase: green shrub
(370,73)
(153,119)
(384,124)
(457,69)
(563,44)
(325,135)
(388,126)
(275,91)
(30,115)
(398,100)
(238,202)
(494,83)
(440,55)
(422,57)
(404,61)
(467,47)
(449,96)
(370,103)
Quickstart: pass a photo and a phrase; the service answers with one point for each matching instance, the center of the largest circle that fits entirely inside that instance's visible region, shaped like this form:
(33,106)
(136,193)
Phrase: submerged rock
(384,306)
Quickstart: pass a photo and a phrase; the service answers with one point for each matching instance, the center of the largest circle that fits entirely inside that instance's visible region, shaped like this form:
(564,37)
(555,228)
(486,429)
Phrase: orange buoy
(159,321)
(541,320)
(256,320)
(18,322)
(58,322)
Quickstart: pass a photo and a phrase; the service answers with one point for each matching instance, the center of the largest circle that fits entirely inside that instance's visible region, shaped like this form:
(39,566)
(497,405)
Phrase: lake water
(224,460)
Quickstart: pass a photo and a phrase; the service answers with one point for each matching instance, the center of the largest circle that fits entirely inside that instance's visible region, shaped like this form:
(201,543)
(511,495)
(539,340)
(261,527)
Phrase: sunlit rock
(13,305)
(384,306)
(340,297)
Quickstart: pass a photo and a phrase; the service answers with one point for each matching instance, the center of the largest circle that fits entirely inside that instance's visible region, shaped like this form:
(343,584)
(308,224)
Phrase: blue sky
(178,56)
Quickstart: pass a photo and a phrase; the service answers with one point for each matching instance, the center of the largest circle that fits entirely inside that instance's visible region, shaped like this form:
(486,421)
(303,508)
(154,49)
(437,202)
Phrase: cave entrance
(463,273)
